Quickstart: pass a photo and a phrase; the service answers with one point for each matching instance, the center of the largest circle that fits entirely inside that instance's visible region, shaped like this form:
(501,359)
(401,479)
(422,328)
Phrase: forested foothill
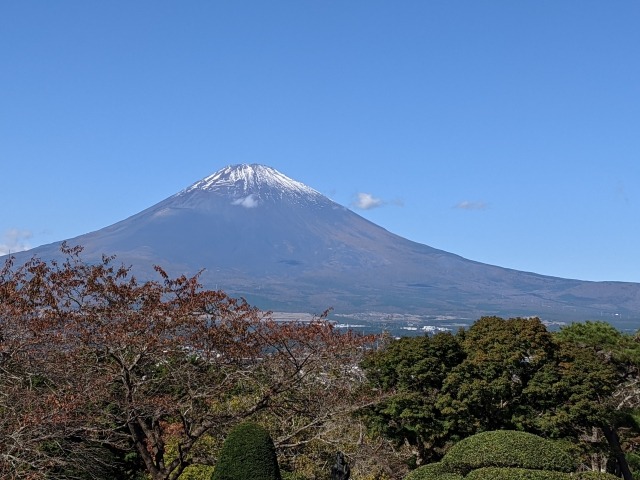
(103,376)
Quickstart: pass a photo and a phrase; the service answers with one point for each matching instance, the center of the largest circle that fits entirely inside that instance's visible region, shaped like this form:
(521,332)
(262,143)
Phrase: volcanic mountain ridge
(256,233)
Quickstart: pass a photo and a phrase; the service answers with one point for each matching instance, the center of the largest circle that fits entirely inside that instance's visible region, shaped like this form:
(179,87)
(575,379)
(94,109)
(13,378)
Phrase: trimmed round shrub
(508,448)
(247,453)
(432,471)
(501,473)
(593,476)
(497,473)
(418,475)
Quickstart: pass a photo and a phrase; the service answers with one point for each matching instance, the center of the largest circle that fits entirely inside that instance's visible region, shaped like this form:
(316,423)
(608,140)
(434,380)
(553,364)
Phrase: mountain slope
(284,246)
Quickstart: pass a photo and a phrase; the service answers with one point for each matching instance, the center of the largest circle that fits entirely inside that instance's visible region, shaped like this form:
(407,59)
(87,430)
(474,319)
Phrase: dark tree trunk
(614,442)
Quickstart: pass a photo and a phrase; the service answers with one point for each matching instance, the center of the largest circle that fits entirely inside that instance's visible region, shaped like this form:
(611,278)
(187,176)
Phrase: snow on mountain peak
(254,182)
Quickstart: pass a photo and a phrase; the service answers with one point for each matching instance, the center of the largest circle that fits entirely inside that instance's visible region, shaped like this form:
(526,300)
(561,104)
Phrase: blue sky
(506,132)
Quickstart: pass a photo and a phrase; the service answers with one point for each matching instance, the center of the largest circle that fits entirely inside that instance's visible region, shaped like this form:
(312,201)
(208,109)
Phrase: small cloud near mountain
(366,201)
(15,240)
(250,201)
(467,205)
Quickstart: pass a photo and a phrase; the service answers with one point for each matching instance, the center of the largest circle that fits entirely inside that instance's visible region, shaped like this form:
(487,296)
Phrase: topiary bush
(432,471)
(433,476)
(502,473)
(248,453)
(593,476)
(507,448)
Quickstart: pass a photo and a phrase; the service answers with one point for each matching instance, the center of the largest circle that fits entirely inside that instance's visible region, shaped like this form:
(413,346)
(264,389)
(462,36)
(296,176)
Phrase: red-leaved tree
(100,372)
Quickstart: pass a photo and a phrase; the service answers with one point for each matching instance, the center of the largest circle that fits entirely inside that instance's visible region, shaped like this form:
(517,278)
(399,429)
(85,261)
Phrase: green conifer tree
(248,453)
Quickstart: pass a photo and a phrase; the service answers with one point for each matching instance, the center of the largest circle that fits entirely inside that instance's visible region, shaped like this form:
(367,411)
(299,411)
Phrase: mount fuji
(284,246)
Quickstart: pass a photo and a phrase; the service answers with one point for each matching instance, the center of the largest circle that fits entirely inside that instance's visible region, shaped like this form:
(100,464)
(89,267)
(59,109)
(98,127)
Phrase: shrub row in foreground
(508,448)
(434,472)
(506,455)
(593,476)
(503,473)
(497,473)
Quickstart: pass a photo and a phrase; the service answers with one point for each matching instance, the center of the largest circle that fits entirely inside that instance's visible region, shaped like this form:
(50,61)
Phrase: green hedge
(432,471)
(502,473)
(498,473)
(593,476)
(248,453)
(507,448)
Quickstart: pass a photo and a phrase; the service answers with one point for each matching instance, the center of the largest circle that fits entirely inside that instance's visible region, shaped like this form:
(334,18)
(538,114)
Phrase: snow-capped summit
(248,185)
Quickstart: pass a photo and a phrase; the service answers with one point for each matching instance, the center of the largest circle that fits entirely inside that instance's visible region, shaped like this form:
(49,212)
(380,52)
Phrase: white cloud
(467,205)
(249,201)
(15,240)
(366,201)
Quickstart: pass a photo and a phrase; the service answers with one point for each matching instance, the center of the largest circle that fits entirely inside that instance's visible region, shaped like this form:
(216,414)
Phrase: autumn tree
(97,368)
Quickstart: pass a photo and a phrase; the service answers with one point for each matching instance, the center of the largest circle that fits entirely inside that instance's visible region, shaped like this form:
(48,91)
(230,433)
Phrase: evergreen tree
(248,453)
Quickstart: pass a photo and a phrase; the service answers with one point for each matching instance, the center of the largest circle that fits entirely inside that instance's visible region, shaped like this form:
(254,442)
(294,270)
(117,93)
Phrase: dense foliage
(580,384)
(248,452)
(498,473)
(593,476)
(412,371)
(433,471)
